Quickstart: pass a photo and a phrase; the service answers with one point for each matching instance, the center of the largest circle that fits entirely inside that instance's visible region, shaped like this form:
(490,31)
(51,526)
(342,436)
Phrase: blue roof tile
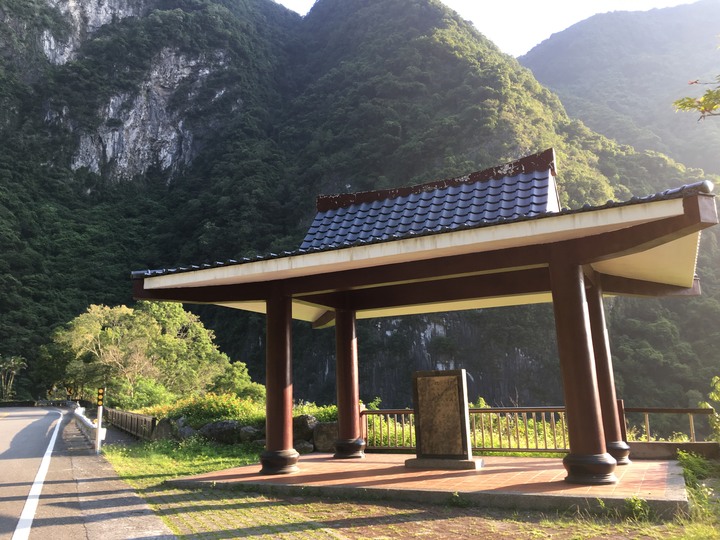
(525,188)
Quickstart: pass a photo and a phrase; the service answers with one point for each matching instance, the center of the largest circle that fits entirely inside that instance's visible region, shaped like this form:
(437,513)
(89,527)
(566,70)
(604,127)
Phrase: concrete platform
(503,482)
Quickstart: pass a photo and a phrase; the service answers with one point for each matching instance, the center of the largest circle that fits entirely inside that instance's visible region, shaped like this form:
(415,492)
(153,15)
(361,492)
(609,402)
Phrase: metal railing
(647,411)
(526,429)
(519,429)
(389,429)
(503,429)
(136,424)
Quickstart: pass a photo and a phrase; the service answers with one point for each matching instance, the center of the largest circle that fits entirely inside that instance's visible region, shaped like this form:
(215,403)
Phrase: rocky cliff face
(140,129)
(150,98)
(85,17)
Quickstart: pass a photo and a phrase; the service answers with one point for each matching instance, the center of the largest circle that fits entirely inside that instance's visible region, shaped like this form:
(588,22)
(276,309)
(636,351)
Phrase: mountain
(620,73)
(152,133)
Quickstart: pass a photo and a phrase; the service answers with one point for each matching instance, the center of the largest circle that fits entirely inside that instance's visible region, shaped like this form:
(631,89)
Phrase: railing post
(647,426)
(622,419)
(482,429)
(692,427)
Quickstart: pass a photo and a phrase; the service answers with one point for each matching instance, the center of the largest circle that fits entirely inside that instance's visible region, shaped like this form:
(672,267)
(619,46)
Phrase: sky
(516,26)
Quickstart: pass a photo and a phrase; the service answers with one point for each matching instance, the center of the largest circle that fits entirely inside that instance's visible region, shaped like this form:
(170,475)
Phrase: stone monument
(442,426)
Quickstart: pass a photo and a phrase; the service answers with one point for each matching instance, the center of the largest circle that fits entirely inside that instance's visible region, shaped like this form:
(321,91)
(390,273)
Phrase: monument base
(444,464)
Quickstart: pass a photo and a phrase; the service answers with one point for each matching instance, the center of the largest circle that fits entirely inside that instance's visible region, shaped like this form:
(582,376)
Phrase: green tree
(181,349)
(236,380)
(146,393)
(714,397)
(115,340)
(707,105)
(9,367)
(145,356)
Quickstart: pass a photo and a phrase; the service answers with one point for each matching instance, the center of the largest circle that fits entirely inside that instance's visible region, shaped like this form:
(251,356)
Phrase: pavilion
(497,237)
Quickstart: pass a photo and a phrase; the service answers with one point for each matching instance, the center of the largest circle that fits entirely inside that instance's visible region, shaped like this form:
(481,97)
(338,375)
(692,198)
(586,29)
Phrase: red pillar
(279,456)
(588,461)
(350,443)
(616,446)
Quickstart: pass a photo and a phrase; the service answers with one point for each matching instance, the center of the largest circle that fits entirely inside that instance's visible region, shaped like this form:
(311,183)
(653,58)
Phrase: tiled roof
(687,190)
(524,188)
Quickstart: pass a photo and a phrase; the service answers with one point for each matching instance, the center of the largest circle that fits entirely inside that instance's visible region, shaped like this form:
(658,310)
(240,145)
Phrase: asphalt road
(80,497)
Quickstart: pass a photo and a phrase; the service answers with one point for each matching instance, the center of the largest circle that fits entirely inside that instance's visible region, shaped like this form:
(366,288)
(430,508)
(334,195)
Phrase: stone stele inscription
(440,419)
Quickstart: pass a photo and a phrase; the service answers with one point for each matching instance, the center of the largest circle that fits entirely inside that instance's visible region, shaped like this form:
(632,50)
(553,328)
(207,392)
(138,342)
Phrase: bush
(322,413)
(696,468)
(637,509)
(201,410)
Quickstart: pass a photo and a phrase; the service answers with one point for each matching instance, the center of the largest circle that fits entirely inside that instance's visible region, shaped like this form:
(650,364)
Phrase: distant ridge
(620,72)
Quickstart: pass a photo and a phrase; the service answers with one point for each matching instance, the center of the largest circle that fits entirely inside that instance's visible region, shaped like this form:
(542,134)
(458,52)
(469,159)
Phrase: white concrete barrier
(87,426)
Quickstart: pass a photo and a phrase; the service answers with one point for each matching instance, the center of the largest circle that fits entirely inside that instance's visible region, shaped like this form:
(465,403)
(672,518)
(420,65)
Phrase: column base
(620,450)
(279,461)
(349,448)
(590,469)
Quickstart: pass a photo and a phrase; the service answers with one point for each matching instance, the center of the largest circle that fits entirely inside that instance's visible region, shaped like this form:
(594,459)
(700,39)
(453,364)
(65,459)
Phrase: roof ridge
(541,161)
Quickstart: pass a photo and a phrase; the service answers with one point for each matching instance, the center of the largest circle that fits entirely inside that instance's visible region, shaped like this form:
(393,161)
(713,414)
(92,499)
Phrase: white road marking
(22,531)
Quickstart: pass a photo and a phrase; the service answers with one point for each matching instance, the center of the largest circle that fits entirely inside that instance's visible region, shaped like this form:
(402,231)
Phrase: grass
(702,478)
(215,513)
(170,459)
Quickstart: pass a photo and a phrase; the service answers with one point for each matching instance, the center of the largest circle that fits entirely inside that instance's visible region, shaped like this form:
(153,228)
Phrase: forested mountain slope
(620,73)
(180,131)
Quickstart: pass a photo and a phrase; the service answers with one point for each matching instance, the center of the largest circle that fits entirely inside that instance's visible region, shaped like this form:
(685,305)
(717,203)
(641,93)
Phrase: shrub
(201,410)
(322,413)
(637,509)
(374,405)
(696,468)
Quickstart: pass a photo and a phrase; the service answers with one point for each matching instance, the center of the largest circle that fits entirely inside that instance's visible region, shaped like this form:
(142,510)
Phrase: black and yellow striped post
(98,431)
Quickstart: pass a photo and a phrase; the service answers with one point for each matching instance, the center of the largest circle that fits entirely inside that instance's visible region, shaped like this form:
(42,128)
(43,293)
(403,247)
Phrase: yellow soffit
(672,263)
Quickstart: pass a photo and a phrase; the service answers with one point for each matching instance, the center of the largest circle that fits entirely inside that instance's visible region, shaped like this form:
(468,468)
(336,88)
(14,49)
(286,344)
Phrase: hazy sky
(518,25)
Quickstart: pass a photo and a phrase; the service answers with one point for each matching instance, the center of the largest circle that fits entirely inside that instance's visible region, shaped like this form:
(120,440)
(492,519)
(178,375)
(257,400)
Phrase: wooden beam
(394,274)
(206,295)
(326,320)
(634,287)
(435,291)
(421,270)
(439,289)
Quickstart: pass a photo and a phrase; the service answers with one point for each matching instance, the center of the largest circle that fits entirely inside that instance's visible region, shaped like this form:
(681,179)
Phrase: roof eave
(548,229)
